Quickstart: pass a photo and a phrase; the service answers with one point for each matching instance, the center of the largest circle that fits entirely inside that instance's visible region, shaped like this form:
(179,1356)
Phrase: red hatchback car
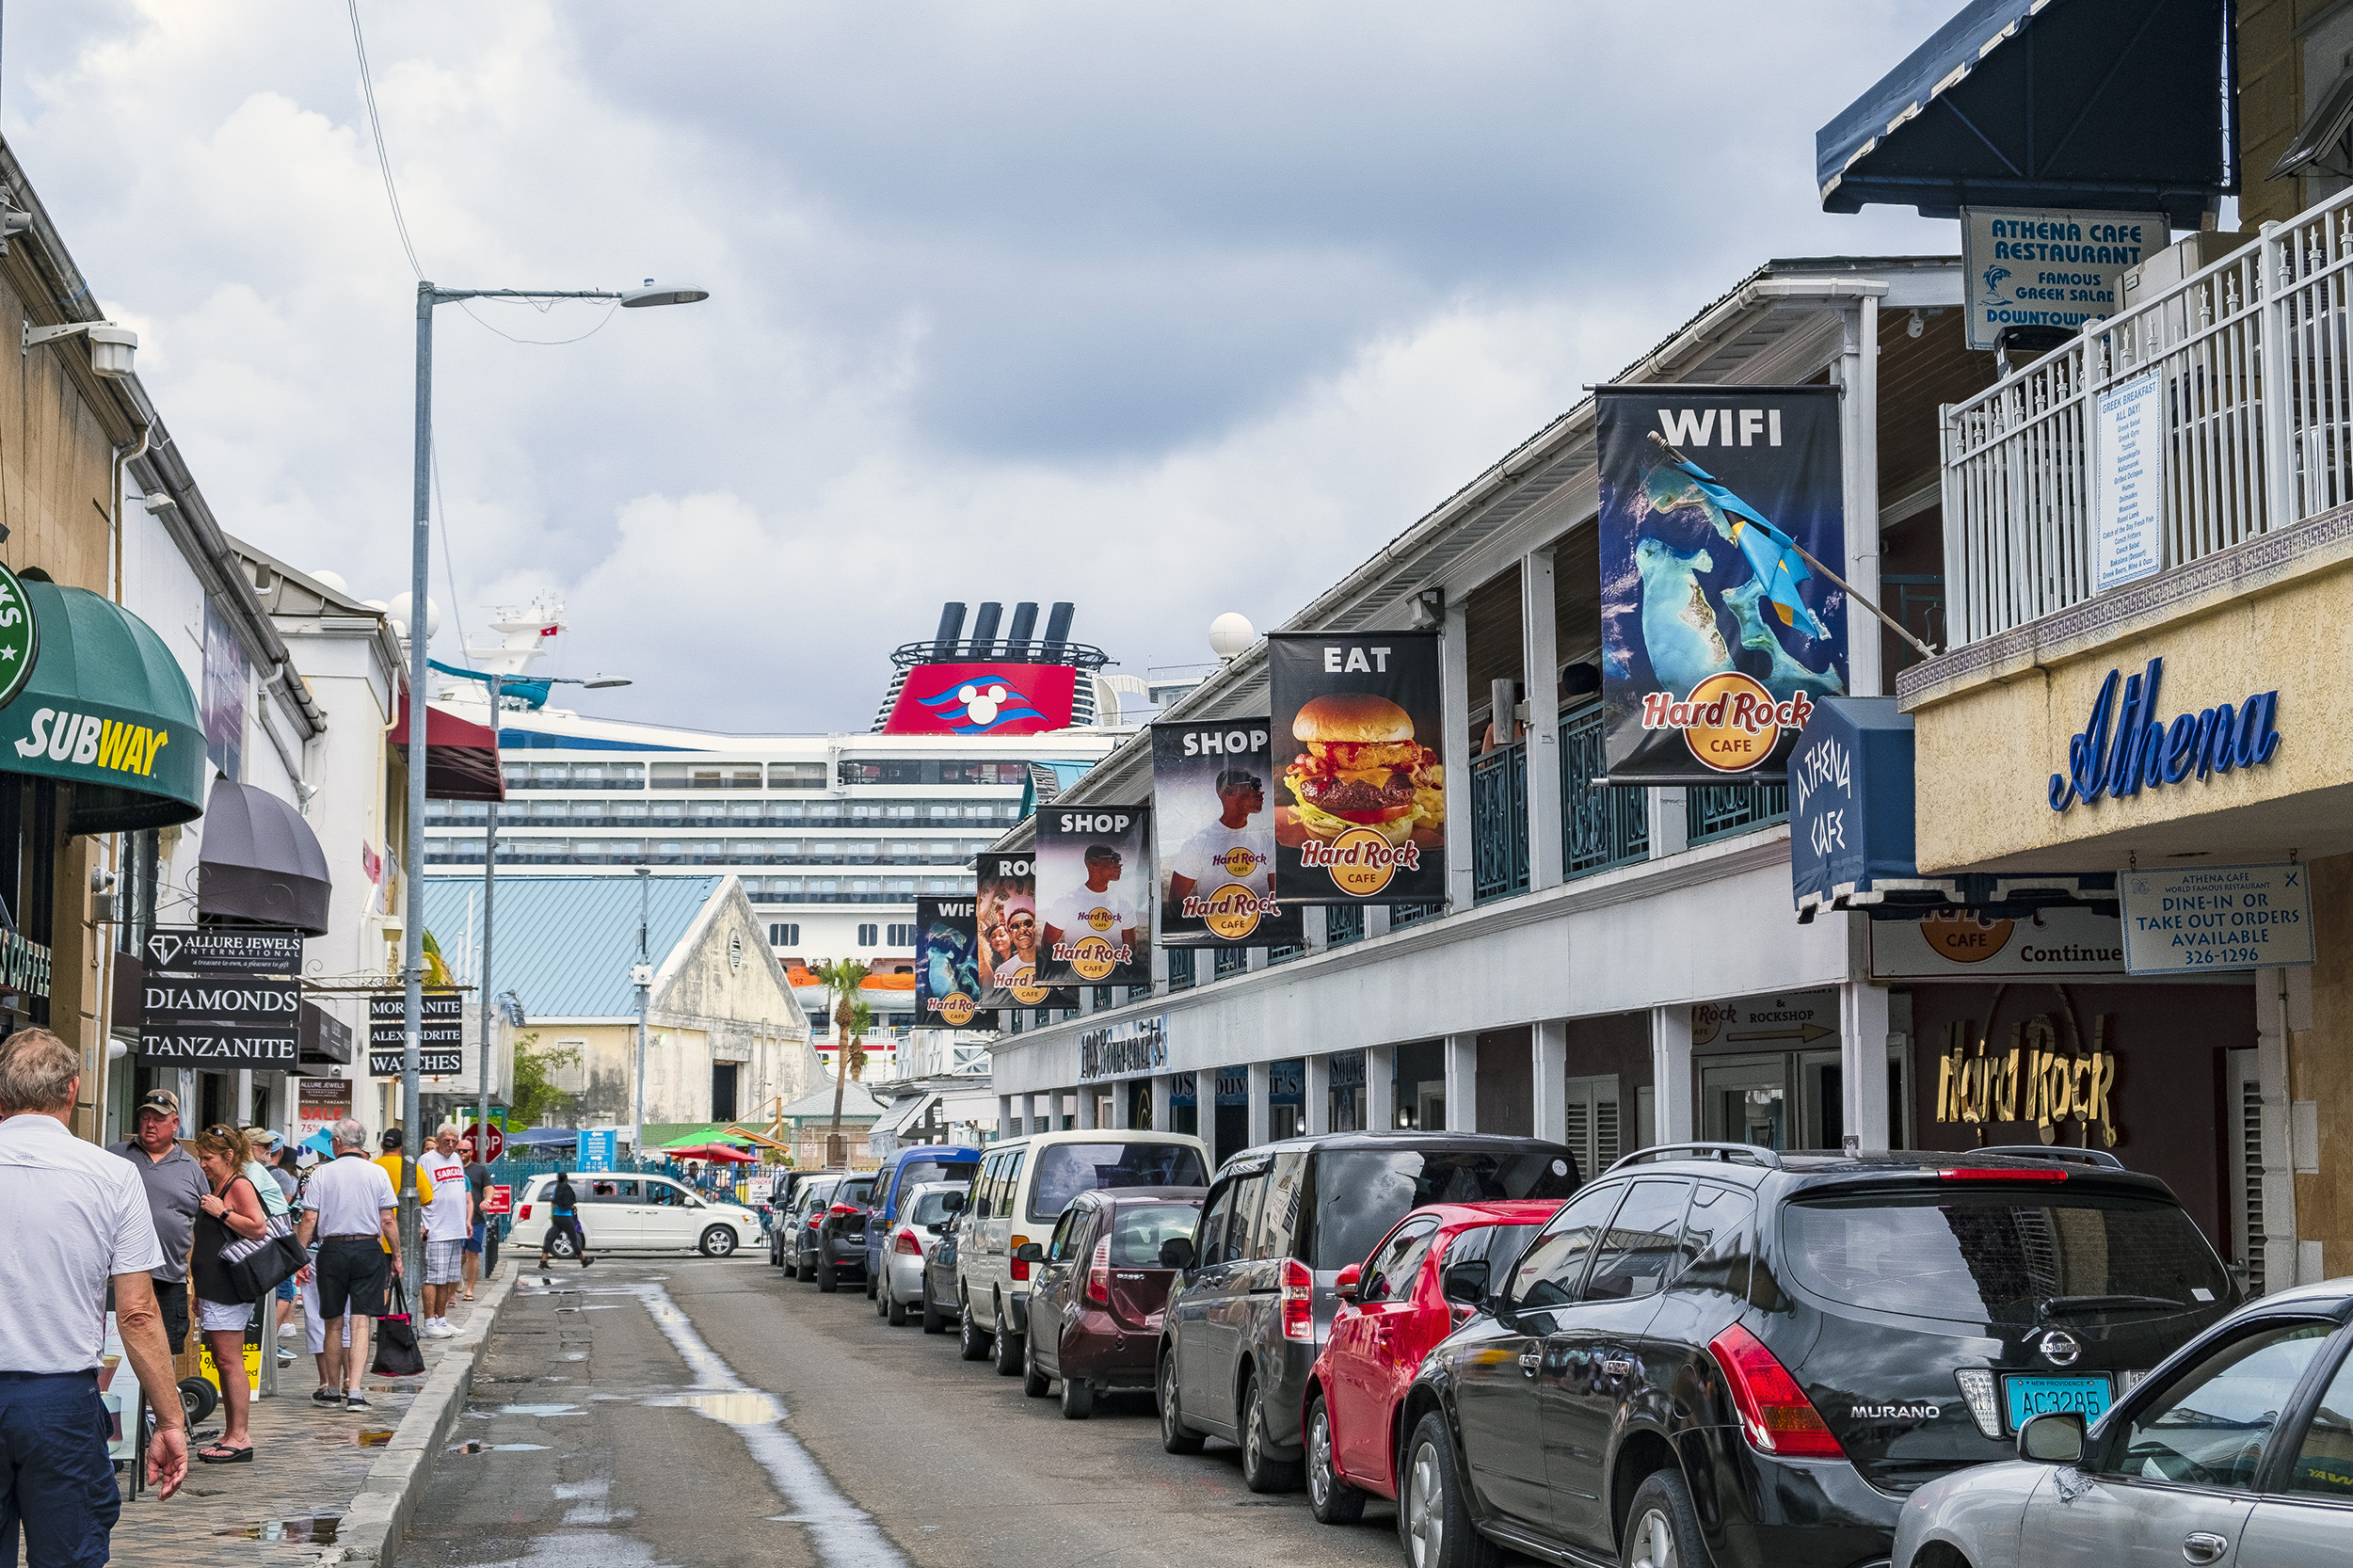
(1421,1283)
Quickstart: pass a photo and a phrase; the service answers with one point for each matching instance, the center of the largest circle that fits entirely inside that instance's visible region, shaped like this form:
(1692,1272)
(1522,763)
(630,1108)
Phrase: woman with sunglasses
(231,1211)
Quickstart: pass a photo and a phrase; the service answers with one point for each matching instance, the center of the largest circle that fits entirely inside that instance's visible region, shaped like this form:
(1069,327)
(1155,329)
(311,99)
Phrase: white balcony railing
(2253,423)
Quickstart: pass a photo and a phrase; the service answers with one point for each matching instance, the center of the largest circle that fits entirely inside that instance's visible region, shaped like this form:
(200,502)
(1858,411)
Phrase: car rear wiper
(2052,1306)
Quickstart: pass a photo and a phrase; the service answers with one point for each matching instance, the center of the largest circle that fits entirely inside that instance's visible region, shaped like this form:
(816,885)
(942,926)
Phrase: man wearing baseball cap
(175,1188)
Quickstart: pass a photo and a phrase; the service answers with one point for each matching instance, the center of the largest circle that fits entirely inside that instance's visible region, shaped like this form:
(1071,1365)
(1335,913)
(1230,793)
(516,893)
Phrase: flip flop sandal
(220,1455)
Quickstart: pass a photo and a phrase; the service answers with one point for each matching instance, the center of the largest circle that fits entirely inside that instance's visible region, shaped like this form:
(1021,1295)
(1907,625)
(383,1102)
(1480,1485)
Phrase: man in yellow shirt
(392,1161)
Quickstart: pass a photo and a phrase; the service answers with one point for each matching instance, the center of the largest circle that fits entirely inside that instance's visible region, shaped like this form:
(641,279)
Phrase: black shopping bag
(396,1351)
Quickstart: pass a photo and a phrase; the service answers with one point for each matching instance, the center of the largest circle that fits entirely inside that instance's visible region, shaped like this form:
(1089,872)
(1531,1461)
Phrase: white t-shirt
(445,1216)
(1202,857)
(77,1216)
(350,1193)
(1068,914)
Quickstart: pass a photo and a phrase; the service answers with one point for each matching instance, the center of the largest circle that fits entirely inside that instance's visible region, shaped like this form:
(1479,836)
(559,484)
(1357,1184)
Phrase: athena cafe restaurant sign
(2050,268)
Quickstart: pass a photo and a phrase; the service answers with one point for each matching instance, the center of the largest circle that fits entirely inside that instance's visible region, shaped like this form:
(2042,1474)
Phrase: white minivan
(630,1211)
(1023,1186)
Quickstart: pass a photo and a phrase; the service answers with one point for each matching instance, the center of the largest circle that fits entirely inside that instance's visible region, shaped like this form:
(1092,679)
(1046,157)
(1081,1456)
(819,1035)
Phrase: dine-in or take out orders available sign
(2194,921)
(2047,268)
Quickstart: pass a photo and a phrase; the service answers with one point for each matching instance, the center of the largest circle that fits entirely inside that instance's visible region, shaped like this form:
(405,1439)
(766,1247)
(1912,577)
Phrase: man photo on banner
(1207,858)
(1021,966)
(1095,908)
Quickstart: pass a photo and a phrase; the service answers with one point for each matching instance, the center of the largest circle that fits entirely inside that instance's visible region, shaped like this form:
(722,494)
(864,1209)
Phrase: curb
(377,1519)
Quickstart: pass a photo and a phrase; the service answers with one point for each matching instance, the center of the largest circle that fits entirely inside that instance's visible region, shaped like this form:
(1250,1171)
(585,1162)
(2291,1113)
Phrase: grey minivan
(1254,1298)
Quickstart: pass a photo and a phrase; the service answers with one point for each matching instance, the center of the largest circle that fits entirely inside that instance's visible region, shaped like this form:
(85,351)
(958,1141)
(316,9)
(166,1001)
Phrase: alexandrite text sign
(2192,920)
(2049,268)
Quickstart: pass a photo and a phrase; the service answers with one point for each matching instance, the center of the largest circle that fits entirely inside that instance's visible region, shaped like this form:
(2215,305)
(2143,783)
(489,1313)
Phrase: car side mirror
(1030,1252)
(1177,1253)
(1465,1281)
(953,1202)
(937,1227)
(1345,1286)
(2054,1439)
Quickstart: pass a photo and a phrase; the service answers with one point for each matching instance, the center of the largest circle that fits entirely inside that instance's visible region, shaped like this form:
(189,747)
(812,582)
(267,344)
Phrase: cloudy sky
(1165,309)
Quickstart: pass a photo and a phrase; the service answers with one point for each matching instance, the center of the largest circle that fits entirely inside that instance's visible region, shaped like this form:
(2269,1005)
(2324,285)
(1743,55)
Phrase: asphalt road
(694,1414)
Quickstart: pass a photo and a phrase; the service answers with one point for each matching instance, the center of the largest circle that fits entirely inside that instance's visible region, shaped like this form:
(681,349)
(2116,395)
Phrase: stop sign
(498,1143)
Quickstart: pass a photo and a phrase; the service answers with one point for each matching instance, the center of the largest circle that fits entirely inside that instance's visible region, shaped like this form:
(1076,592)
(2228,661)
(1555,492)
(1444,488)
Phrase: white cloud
(1166,311)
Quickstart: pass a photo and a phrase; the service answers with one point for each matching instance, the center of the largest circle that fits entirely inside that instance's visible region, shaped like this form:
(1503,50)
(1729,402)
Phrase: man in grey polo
(175,1187)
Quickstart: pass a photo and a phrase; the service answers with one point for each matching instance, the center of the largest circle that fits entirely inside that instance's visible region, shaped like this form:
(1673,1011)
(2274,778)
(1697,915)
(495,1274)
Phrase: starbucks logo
(20,639)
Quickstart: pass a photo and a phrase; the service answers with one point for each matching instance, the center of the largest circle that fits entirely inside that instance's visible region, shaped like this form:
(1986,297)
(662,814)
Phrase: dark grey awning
(2114,104)
(261,861)
(326,1038)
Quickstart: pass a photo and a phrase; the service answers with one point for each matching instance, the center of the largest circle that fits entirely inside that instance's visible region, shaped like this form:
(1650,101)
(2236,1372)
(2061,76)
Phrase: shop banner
(1216,838)
(2058,941)
(1717,637)
(440,1028)
(319,1104)
(947,967)
(2194,921)
(1094,876)
(246,1022)
(1006,919)
(217,950)
(1361,803)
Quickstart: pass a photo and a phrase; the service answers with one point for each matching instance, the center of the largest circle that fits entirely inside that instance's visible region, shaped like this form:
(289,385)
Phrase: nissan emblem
(2061,1348)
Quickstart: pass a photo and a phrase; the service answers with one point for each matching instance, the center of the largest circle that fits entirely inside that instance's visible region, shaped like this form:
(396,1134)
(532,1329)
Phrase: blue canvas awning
(1852,804)
(2114,104)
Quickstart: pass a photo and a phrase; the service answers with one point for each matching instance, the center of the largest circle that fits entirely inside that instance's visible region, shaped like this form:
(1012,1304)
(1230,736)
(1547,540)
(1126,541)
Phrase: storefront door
(1781,1101)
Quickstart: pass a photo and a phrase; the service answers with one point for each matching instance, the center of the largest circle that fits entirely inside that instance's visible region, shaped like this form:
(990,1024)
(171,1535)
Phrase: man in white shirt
(349,1205)
(1207,860)
(77,1220)
(448,1222)
(1093,910)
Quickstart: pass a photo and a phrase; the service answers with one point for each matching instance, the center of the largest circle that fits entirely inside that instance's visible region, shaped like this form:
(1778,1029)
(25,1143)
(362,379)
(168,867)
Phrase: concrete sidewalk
(323,1486)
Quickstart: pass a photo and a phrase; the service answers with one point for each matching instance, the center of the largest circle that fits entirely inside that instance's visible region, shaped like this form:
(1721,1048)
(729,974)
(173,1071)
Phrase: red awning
(461,757)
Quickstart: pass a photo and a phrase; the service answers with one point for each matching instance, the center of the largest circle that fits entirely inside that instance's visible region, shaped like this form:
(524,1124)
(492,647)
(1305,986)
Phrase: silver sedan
(2238,1449)
(923,1212)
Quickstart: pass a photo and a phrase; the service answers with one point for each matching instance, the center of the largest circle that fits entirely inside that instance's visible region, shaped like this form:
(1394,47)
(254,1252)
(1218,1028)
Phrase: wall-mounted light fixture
(110,346)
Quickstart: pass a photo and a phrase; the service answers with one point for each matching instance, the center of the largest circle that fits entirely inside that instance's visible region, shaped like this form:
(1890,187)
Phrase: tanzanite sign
(2124,746)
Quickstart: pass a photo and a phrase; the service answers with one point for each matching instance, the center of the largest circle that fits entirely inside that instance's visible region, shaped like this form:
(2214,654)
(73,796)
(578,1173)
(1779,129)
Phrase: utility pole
(412,905)
(489,890)
(642,975)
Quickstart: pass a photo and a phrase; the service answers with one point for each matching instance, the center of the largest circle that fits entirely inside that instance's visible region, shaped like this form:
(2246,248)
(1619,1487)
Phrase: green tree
(850,1020)
(536,1094)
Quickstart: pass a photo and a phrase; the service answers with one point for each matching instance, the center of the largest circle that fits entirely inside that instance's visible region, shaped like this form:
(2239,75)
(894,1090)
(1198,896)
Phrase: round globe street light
(421,557)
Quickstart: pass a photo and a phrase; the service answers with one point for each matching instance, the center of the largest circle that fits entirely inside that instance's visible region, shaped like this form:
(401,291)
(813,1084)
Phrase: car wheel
(935,1321)
(895,1310)
(802,1269)
(1662,1528)
(561,1245)
(873,1286)
(1008,1344)
(882,1306)
(975,1347)
(1333,1500)
(1077,1398)
(1434,1519)
(1036,1385)
(719,1241)
(828,1272)
(1176,1437)
(1261,1471)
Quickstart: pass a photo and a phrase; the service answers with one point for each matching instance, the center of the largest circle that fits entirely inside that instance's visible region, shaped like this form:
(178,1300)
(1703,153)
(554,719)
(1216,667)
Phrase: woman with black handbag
(231,1212)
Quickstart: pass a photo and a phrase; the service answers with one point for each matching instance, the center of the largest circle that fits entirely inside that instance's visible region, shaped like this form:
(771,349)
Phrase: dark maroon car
(1100,1281)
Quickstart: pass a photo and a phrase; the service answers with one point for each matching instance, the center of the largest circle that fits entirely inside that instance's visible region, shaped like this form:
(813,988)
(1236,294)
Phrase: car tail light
(1299,1301)
(907,1243)
(1977,1386)
(525,1214)
(1778,1417)
(843,1208)
(1099,1273)
(1020,1265)
(1992,1173)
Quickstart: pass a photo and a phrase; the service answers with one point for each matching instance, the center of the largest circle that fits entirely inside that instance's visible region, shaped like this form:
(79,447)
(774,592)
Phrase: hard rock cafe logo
(1028,994)
(1100,918)
(1965,938)
(1730,720)
(1092,957)
(1361,860)
(2034,1082)
(956,1009)
(1231,913)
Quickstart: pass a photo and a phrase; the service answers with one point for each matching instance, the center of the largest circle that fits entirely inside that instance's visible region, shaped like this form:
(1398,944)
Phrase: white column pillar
(1261,1106)
(1159,970)
(1377,919)
(1454,715)
(187,1102)
(1669,824)
(1541,657)
(1252,959)
(1029,1114)
(1084,1095)
(1162,1086)
(1549,1071)
(1318,1090)
(1859,445)
(1004,1116)
(1312,931)
(1863,1060)
(243,1116)
(1671,1074)
(1462,1083)
(1380,1088)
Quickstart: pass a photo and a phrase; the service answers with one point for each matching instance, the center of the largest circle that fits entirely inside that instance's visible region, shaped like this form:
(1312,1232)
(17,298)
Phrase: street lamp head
(605,682)
(666,293)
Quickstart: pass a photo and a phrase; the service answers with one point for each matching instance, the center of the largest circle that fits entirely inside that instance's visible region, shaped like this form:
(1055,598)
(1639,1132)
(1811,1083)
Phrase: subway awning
(108,710)
(261,861)
(1852,804)
(461,757)
(2115,104)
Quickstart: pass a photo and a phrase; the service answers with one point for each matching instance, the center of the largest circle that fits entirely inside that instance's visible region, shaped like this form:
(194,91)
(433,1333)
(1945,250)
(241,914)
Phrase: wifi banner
(1717,638)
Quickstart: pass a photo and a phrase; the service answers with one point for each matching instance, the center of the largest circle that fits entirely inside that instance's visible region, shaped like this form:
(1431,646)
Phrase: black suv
(1254,1303)
(1762,1354)
(839,1239)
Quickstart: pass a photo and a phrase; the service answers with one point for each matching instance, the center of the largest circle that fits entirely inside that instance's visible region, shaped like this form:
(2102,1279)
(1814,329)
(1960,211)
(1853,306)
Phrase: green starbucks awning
(106,710)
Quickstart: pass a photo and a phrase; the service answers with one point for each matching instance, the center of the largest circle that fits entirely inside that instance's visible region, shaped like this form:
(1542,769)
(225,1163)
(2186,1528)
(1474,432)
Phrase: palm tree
(843,979)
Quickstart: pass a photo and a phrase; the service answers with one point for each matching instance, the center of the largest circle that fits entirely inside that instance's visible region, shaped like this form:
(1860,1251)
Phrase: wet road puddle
(473,1446)
(308,1530)
(539,1410)
(742,1407)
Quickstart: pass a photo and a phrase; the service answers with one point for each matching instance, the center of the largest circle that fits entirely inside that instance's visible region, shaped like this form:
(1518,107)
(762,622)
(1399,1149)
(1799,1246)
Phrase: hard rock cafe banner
(1717,637)
(1006,924)
(1216,837)
(1359,791)
(947,967)
(1094,868)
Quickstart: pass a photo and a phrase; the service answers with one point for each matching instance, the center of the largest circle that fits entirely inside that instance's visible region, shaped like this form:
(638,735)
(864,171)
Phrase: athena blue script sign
(597,1149)
(2125,747)
(2193,921)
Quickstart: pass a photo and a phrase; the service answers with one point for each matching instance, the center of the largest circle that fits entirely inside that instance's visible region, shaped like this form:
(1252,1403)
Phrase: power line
(375,127)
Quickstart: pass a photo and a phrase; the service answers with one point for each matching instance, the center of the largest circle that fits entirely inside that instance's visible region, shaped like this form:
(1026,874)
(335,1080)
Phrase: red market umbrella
(720,1152)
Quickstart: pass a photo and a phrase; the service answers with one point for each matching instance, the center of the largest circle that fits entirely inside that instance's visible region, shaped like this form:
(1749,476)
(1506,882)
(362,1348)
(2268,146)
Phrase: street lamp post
(420,560)
(643,976)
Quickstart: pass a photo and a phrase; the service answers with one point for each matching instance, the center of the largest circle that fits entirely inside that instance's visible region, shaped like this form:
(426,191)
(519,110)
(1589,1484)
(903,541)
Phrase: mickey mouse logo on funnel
(1364,821)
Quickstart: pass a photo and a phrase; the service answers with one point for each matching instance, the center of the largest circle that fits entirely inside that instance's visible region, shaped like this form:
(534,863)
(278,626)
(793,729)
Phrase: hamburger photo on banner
(1094,891)
(1362,817)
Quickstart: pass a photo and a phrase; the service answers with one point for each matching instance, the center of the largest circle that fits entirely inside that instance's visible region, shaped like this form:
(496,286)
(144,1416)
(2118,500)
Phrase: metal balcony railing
(1499,824)
(2251,427)
(1600,826)
(1724,811)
